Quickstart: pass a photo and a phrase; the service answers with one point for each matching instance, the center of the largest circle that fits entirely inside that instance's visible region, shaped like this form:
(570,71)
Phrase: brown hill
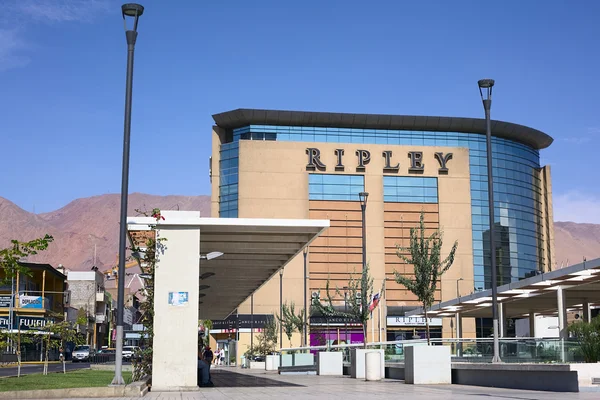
(575,241)
(83,223)
(86,222)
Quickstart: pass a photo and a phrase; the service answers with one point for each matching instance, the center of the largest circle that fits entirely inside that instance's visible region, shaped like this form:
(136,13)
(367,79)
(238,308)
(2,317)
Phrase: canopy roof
(253,251)
(580,282)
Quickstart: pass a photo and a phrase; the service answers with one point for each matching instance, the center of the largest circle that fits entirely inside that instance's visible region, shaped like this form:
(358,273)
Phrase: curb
(135,389)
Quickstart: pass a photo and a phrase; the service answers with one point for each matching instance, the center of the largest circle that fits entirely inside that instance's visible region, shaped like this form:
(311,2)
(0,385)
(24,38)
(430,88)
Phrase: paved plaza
(232,383)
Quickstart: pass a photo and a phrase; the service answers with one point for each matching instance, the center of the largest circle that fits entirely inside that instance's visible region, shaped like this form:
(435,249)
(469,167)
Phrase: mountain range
(86,230)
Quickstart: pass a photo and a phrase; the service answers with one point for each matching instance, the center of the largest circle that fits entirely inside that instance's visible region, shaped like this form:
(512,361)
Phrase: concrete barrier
(272,363)
(427,365)
(357,362)
(330,363)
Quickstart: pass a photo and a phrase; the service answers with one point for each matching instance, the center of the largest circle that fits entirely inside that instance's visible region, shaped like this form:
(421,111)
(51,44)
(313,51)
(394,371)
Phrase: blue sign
(31,302)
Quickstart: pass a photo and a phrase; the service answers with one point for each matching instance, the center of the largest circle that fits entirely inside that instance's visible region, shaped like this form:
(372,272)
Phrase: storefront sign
(242,321)
(363,157)
(26,323)
(412,321)
(4,322)
(31,302)
(5,301)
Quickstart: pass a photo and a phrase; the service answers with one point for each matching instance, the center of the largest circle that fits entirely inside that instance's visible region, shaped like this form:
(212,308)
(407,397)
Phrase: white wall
(174,361)
(545,327)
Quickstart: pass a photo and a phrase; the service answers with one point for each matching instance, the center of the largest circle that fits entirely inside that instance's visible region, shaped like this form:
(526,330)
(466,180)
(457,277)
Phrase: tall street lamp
(485,90)
(457,288)
(130,10)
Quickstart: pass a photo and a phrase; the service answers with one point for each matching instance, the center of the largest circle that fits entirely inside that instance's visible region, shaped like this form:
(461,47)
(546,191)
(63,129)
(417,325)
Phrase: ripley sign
(417,164)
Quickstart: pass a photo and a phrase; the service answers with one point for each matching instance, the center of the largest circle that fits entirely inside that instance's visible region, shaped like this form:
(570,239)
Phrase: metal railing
(478,350)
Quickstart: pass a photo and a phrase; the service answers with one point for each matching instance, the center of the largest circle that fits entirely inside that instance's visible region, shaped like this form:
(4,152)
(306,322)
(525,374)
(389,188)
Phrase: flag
(374,302)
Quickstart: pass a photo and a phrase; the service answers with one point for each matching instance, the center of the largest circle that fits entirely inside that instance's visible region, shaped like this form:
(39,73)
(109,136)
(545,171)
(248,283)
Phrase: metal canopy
(254,250)
(580,282)
(518,133)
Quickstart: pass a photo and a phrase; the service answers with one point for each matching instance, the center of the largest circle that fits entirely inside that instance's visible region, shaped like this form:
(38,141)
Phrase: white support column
(175,355)
(501,321)
(586,312)
(531,324)
(459,334)
(562,319)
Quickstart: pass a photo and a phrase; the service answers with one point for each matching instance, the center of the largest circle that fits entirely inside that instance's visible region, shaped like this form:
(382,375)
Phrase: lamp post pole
(363,196)
(305,300)
(346,312)
(280,308)
(135,11)
(485,90)
(457,288)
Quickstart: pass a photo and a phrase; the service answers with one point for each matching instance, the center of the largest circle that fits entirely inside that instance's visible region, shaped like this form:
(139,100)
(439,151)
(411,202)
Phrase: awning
(580,283)
(253,251)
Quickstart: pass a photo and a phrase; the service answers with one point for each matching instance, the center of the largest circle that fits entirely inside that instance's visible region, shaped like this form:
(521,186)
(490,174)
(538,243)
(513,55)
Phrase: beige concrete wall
(273,183)
(547,220)
(218,137)
(176,331)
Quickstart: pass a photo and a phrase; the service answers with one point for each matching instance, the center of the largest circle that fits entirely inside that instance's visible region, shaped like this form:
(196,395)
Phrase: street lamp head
(485,83)
(362,196)
(210,256)
(485,88)
(132,10)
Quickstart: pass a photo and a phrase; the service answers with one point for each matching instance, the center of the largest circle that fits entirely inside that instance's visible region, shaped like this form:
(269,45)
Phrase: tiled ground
(245,384)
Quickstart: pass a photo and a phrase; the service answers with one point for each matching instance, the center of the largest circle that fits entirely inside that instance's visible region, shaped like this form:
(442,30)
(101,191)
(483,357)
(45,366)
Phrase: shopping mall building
(298,165)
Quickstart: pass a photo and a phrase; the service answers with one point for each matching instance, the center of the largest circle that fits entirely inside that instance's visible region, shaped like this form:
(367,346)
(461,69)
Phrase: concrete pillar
(586,312)
(459,334)
(562,319)
(531,324)
(174,361)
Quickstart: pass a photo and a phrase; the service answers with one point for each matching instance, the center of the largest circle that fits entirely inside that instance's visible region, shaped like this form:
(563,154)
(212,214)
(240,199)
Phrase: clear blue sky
(62,78)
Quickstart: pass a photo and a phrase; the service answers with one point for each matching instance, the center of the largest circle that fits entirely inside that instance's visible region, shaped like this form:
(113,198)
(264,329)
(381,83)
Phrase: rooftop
(507,130)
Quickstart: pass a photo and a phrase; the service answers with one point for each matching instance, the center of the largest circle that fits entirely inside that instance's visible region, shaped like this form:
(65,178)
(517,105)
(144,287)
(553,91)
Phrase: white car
(81,353)
(129,351)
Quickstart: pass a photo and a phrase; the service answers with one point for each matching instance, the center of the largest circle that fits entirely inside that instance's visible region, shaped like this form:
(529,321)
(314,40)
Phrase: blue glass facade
(516,187)
(335,187)
(410,189)
(228,185)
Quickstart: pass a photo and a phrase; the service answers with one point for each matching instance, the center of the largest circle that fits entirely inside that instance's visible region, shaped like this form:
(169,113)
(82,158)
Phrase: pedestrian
(203,375)
(208,358)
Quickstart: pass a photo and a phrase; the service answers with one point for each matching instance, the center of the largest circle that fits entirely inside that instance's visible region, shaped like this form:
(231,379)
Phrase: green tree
(425,256)
(152,248)
(10,256)
(360,292)
(587,335)
(291,322)
(59,333)
(266,341)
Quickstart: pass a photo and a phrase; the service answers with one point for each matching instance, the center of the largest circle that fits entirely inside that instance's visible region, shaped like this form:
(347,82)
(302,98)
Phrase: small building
(89,299)
(30,301)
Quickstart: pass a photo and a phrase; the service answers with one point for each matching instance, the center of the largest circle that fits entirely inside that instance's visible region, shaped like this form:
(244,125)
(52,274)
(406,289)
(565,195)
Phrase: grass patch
(73,379)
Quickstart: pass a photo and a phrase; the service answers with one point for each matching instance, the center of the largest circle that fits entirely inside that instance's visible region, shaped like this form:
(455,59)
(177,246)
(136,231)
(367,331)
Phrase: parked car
(82,353)
(129,351)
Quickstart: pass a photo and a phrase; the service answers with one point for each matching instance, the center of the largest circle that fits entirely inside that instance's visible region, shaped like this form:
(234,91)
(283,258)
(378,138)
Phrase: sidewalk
(233,383)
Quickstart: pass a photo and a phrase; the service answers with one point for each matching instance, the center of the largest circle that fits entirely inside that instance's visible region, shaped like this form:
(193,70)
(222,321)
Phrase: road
(27,369)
